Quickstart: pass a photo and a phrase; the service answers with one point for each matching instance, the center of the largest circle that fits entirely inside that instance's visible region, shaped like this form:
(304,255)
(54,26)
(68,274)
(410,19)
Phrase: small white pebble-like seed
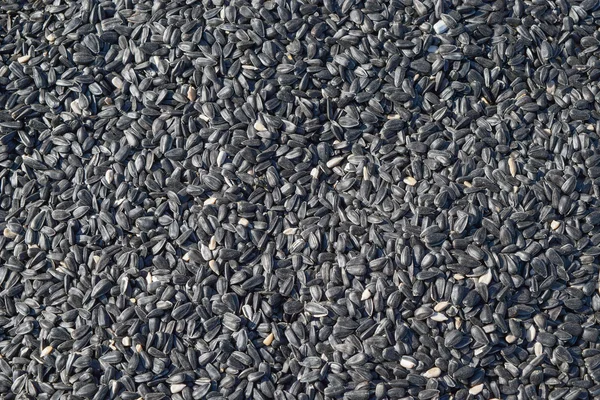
(458,277)
(51,37)
(133,300)
(210,201)
(75,107)
(244,222)
(555,225)
(46,351)
(259,126)
(440,27)
(410,181)
(434,372)
(178,387)
(186,257)
(126,341)
(365,295)
(407,363)
(24,59)
(511,338)
(138,348)
(512,166)
(475,390)
(467,184)
(290,231)
(269,339)
(117,82)
(335,161)
(441,306)
(393,116)
(438,317)
(109,175)
(212,243)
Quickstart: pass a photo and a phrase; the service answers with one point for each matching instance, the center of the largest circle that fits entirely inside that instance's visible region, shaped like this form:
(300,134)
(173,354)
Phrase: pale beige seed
(126,341)
(133,300)
(46,351)
(438,317)
(51,37)
(244,222)
(441,306)
(269,339)
(434,372)
(212,243)
(250,67)
(191,93)
(186,257)
(410,181)
(365,295)
(210,201)
(9,234)
(24,59)
(467,184)
(117,82)
(512,166)
(530,334)
(459,277)
(555,225)
(475,390)
(511,338)
(259,126)
(138,348)
(290,231)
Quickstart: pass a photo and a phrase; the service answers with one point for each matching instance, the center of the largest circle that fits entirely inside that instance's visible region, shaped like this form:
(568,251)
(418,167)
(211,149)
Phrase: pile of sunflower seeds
(299,199)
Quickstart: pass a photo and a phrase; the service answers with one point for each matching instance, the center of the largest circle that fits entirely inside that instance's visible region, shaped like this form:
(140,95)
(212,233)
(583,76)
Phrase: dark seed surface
(296,199)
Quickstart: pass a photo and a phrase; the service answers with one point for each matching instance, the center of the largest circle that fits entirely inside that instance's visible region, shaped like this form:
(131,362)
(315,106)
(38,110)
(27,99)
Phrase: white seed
(210,201)
(191,93)
(475,390)
(24,59)
(51,38)
(408,362)
(538,349)
(244,222)
(438,317)
(269,339)
(467,184)
(212,243)
(530,334)
(432,372)
(259,126)
(335,161)
(138,348)
(290,231)
(486,278)
(117,82)
(315,172)
(178,387)
(9,234)
(555,225)
(75,107)
(410,181)
(512,166)
(440,27)
(109,175)
(46,351)
(186,257)
(458,277)
(441,306)
(126,341)
(365,295)
(511,338)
